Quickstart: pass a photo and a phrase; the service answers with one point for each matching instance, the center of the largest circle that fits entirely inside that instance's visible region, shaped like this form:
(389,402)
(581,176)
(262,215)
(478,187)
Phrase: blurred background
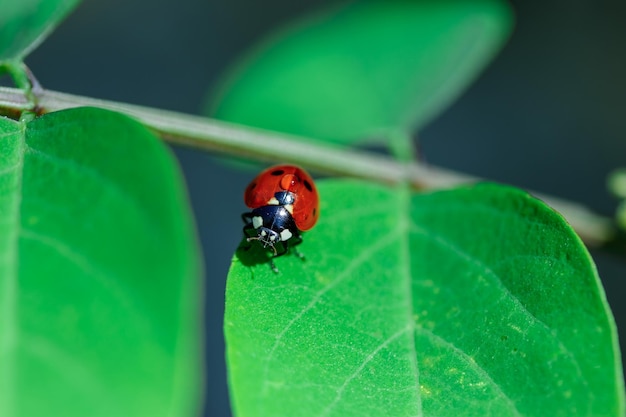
(549,114)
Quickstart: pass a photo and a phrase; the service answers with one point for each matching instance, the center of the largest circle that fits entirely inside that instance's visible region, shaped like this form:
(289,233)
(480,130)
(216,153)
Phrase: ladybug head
(269,238)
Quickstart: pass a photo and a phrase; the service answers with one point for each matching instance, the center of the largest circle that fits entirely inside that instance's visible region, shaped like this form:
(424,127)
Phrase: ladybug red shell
(289,186)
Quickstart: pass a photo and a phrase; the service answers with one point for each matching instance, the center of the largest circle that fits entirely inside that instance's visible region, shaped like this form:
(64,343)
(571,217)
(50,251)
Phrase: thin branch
(203,133)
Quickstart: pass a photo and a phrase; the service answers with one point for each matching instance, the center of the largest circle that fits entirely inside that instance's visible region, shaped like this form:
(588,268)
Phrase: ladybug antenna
(264,242)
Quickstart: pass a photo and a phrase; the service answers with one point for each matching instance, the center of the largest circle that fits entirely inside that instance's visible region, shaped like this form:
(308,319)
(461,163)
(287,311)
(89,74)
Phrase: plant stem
(214,135)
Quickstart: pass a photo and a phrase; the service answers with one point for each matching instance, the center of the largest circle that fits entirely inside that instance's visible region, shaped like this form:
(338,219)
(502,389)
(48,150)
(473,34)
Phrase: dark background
(549,114)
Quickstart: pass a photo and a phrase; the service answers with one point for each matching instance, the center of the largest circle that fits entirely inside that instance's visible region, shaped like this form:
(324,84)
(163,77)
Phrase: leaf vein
(404,225)
(471,362)
(106,278)
(9,289)
(11,168)
(459,252)
(365,255)
(104,181)
(362,366)
(64,364)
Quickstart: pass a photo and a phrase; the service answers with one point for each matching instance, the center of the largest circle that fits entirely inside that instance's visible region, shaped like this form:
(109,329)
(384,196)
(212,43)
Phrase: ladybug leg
(280,248)
(249,230)
(284,248)
(296,240)
(298,253)
(247,218)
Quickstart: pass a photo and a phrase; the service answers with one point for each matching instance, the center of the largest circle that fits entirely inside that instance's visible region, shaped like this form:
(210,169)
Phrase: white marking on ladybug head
(273,237)
(257,221)
(263,232)
(289,208)
(285,235)
(273,202)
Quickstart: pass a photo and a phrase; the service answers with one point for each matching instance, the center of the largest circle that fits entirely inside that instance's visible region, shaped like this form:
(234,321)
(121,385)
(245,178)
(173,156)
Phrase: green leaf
(99,271)
(479,301)
(358,71)
(25,23)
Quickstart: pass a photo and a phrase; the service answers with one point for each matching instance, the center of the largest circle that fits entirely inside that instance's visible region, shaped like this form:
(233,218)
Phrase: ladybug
(284,203)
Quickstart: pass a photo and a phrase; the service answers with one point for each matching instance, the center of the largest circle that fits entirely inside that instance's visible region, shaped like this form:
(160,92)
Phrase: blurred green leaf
(358,71)
(479,301)
(25,23)
(99,271)
(617,182)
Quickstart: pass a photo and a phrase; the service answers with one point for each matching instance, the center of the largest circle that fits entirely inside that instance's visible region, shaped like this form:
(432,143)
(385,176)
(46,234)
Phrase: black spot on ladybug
(251,186)
(314,212)
(278,172)
(308,185)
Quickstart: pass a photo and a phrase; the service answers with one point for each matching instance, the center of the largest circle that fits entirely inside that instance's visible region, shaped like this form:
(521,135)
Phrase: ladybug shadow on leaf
(250,254)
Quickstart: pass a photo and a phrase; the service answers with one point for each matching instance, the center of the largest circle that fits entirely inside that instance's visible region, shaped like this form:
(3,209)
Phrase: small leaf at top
(478,301)
(25,23)
(99,271)
(357,71)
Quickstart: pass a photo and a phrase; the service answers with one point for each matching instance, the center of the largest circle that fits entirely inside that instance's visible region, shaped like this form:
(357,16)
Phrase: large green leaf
(99,271)
(479,301)
(25,23)
(361,70)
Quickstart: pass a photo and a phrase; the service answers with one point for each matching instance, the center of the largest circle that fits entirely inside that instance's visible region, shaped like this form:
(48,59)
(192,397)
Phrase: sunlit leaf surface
(479,301)
(99,271)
